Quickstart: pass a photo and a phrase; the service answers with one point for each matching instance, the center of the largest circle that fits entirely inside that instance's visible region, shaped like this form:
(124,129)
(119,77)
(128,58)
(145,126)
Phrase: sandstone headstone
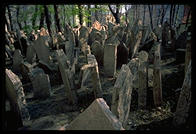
(136,46)
(143,79)
(110,57)
(121,97)
(184,100)
(16,94)
(96,117)
(157,84)
(17,60)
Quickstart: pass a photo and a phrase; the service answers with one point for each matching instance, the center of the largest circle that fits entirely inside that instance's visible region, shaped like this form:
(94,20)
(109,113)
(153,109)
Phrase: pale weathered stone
(16,94)
(136,46)
(110,57)
(98,51)
(143,79)
(17,60)
(67,79)
(157,84)
(133,66)
(41,47)
(184,100)
(121,97)
(96,117)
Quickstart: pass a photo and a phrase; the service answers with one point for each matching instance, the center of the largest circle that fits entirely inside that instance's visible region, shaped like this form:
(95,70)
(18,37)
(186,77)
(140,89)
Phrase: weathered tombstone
(95,76)
(143,75)
(41,47)
(184,100)
(16,95)
(31,54)
(17,60)
(133,66)
(25,69)
(188,52)
(136,46)
(110,56)
(121,97)
(41,86)
(122,54)
(96,117)
(158,32)
(98,51)
(157,84)
(65,77)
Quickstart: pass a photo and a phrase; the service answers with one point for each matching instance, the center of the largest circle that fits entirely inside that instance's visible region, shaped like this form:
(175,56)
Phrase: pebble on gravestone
(143,79)
(16,94)
(110,57)
(96,117)
(121,97)
(184,100)
(17,60)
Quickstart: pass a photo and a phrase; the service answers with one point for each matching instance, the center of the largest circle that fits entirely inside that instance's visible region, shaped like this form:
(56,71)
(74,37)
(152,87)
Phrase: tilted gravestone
(96,117)
(157,84)
(65,76)
(135,48)
(98,51)
(16,94)
(41,83)
(184,100)
(121,97)
(133,66)
(143,77)
(110,57)
(17,60)
(188,52)
(31,54)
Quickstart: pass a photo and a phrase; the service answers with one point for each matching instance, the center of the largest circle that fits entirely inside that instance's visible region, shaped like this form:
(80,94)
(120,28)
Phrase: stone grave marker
(17,60)
(98,51)
(96,117)
(184,100)
(110,57)
(143,79)
(16,94)
(121,97)
(157,84)
(31,54)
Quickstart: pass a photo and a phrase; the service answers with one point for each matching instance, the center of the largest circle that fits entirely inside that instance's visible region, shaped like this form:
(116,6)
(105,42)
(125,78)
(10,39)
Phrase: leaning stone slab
(143,79)
(16,94)
(31,54)
(110,57)
(96,117)
(121,97)
(17,60)
(184,100)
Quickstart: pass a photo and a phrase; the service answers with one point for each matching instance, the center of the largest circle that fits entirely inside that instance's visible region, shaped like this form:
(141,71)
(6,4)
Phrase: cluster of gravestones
(110,46)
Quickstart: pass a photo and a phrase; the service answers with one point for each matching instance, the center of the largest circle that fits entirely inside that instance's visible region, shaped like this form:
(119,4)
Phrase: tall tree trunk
(57,18)
(126,14)
(150,12)
(144,14)
(17,16)
(176,15)
(115,14)
(41,18)
(171,13)
(89,17)
(96,13)
(34,16)
(8,24)
(80,15)
(188,17)
(10,17)
(73,18)
(48,19)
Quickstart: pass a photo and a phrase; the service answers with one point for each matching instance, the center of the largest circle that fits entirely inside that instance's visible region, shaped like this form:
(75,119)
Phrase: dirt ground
(54,113)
